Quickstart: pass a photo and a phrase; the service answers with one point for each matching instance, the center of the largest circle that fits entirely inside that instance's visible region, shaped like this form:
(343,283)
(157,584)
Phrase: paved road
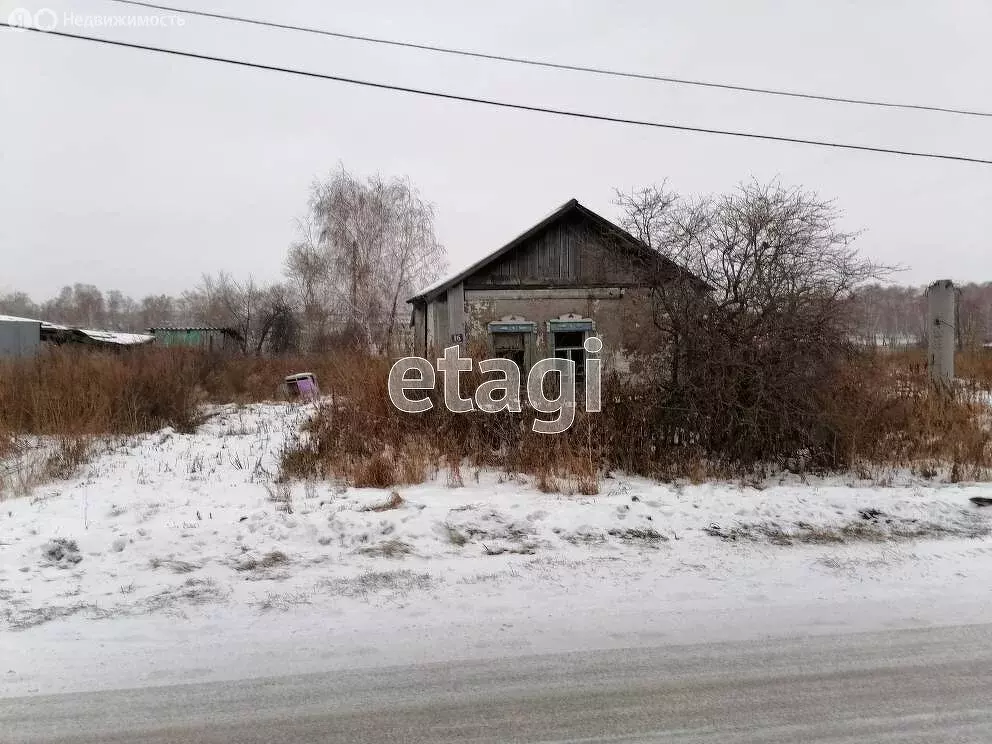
(930,685)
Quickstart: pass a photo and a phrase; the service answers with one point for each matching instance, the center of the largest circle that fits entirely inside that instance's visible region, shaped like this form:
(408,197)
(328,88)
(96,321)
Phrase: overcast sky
(140,172)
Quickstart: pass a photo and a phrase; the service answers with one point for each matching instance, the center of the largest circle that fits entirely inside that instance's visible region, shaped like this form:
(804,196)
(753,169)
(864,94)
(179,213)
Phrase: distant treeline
(897,316)
(365,245)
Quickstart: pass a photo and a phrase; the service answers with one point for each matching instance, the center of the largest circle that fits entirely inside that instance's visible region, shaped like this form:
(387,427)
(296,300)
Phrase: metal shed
(19,337)
(206,338)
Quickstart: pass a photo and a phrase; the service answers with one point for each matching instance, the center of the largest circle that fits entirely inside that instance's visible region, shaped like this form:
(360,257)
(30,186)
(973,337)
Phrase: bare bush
(61,552)
(392,548)
(758,348)
(395,501)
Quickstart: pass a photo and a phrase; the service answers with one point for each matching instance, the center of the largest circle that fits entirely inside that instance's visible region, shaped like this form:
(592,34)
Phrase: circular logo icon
(20,19)
(46,20)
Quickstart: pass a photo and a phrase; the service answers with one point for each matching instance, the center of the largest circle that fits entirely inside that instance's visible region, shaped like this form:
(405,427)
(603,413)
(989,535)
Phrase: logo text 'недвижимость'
(506,384)
(46,19)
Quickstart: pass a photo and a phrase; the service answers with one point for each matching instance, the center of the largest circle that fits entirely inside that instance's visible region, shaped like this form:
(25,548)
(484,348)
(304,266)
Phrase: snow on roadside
(174,523)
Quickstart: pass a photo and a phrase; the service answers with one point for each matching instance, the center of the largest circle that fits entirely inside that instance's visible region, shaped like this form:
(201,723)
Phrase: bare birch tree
(375,240)
(309,272)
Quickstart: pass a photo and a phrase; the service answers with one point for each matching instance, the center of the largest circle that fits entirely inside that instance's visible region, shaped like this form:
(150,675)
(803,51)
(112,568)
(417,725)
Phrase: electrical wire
(558,65)
(503,104)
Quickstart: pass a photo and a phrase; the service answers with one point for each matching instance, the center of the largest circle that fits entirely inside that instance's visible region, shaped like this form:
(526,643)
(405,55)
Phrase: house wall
(19,338)
(622,318)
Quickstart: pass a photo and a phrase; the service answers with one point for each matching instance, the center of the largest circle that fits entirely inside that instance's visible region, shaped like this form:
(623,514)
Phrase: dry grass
(393,548)
(65,391)
(269,560)
(884,411)
(879,411)
(975,367)
(75,390)
(871,525)
(72,395)
(364,439)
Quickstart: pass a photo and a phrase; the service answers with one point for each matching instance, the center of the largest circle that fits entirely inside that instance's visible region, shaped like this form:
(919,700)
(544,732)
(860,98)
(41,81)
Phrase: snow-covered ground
(176,557)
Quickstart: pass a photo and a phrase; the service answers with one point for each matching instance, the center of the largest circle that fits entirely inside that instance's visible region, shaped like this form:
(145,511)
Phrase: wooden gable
(570,251)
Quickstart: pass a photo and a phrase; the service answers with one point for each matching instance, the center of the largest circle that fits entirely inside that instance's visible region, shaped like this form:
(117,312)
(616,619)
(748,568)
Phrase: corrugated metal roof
(113,337)
(192,328)
(15,319)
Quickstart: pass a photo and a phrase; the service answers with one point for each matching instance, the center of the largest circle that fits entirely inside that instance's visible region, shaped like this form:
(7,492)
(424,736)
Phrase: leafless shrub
(273,558)
(395,501)
(282,602)
(61,552)
(281,494)
(636,534)
(69,454)
(455,536)
(582,536)
(190,592)
(174,565)
(546,482)
(393,548)
(525,548)
(760,345)
(22,619)
(269,560)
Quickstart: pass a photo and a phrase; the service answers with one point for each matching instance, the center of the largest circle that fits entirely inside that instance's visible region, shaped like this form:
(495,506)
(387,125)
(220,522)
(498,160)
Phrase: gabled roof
(572,205)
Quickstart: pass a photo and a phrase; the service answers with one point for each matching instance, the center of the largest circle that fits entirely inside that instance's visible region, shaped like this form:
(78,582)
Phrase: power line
(505,104)
(559,65)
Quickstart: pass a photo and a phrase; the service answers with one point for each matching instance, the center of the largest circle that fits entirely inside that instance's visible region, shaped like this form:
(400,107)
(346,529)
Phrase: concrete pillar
(941,320)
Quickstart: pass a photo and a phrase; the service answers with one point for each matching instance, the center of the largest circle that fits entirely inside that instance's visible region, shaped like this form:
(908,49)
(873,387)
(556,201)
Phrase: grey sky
(140,172)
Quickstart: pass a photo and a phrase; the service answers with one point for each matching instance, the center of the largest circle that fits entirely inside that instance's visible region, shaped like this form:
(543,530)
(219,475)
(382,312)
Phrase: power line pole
(941,322)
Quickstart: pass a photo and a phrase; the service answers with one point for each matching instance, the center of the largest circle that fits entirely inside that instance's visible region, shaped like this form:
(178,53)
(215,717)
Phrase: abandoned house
(573,275)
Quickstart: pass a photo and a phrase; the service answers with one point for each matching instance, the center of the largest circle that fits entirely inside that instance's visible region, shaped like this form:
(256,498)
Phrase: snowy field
(174,557)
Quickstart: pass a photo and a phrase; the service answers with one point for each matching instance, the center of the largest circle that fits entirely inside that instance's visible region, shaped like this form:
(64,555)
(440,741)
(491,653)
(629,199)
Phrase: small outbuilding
(19,337)
(205,338)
